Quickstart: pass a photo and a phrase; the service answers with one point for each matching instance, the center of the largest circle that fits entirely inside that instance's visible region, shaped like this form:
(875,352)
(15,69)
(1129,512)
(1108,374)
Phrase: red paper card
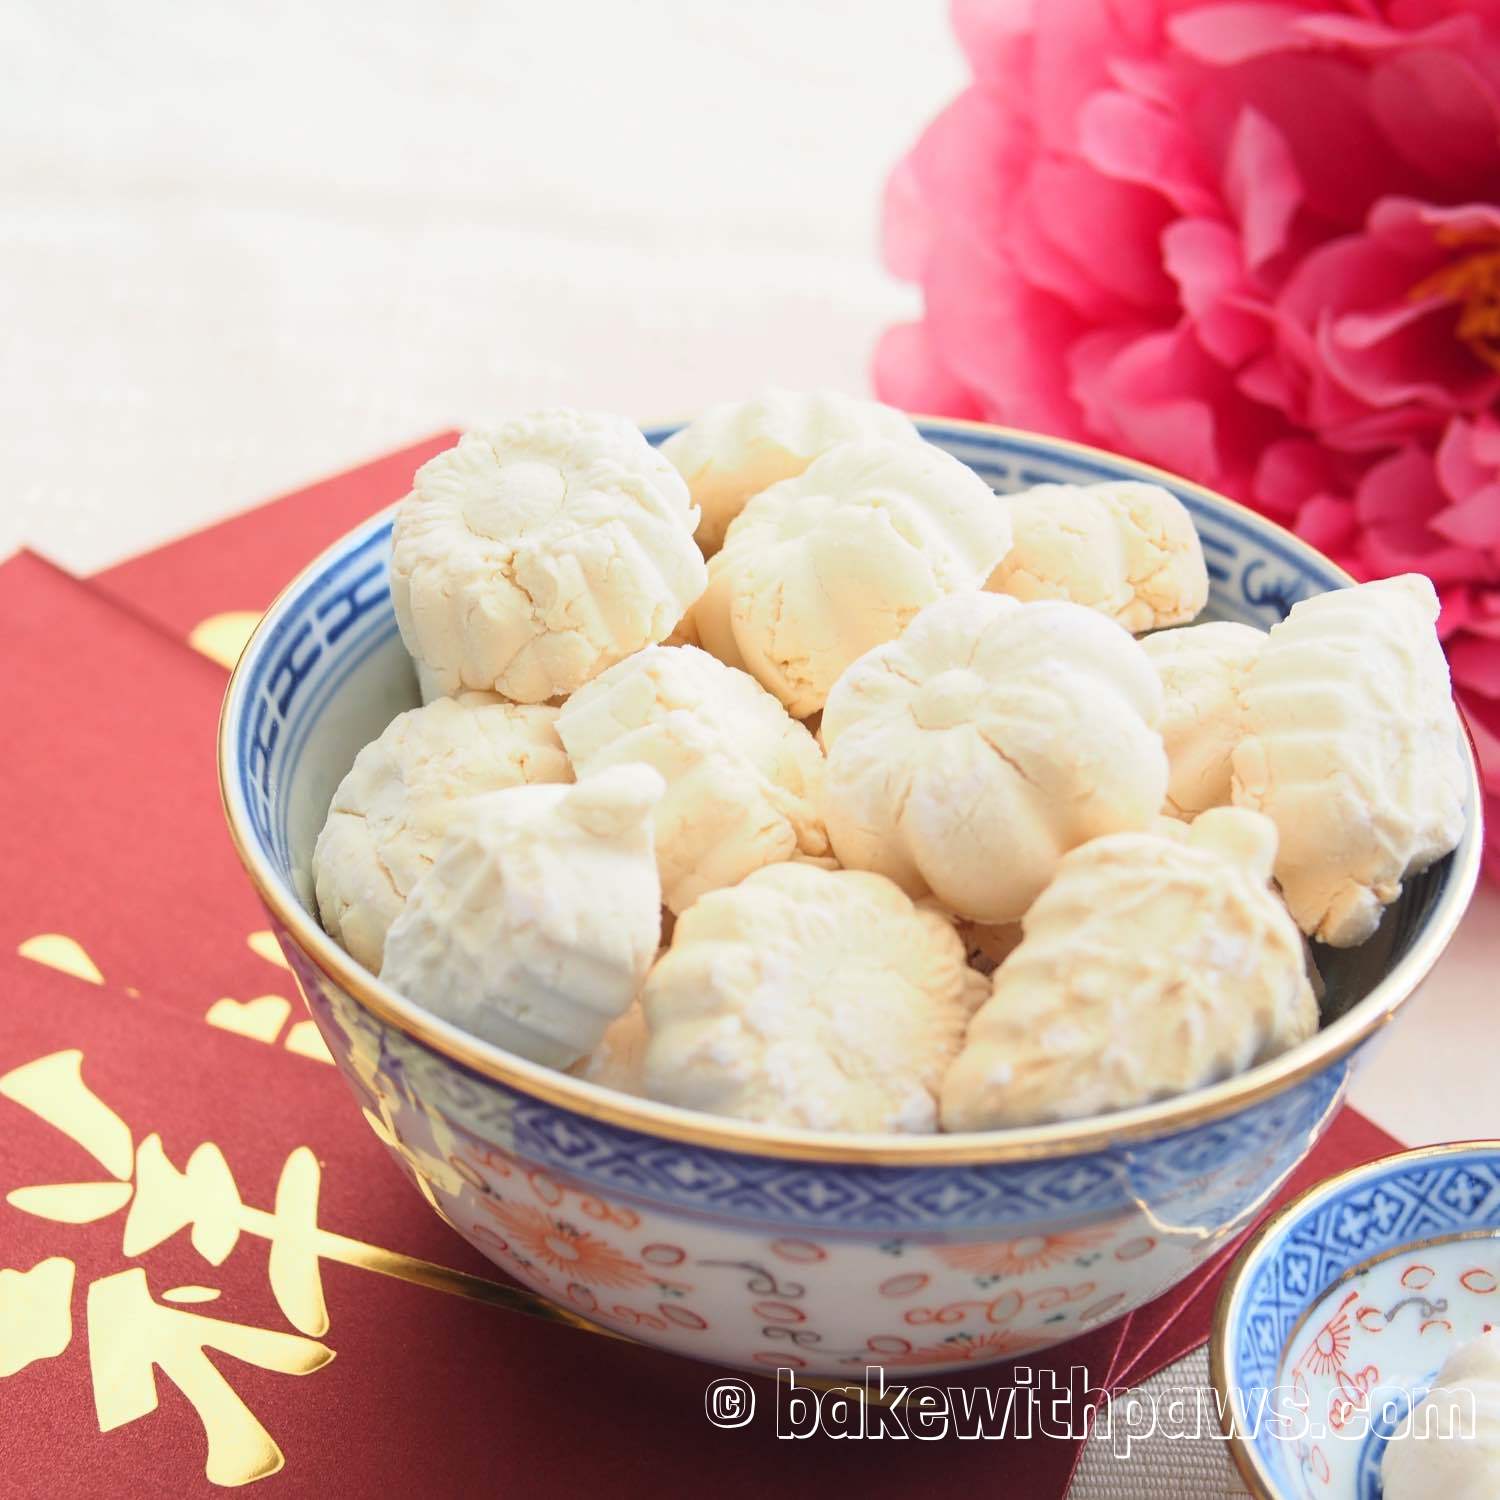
(242,564)
(109,801)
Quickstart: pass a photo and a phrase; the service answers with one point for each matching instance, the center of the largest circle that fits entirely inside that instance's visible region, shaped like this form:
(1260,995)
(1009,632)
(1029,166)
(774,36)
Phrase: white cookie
(530,557)
(818,569)
(1149,967)
(967,756)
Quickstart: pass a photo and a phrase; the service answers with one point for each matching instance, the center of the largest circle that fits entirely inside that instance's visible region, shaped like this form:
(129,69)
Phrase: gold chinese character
(36,1313)
(129,1333)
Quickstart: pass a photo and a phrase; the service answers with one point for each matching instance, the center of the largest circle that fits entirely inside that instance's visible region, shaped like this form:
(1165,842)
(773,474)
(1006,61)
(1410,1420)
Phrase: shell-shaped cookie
(529,557)
(393,808)
(744,779)
(821,999)
(739,448)
(818,569)
(1201,668)
(1352,747)
(967,756)
(1124,548)
(1149,966)
(538,921)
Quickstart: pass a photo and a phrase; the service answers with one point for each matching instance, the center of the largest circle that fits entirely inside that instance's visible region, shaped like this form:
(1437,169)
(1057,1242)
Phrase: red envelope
(156,1144)
(242,564)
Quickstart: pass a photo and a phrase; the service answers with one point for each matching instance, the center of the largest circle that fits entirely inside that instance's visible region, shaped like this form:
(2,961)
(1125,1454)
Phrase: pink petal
(1152,80)
(1078,209)
(1328,522)
(1203,257)
(1459,469)
(1001,339)
(1353,271)
(1414,227)
(1320,103)
(1044,263)
(1126,138)
(1364,330)
(1142,392)
(1223,35)
(1375,36)
(1389,360)
(1269,381)
(995,35)
(1262,185)
(905,224)
(1400,490)
(1073,40)
(1395,502)
(1456,611)
(1473,522)
(967,163)
(1439,115)
(1473,607)
(1289,473)
(909,374)
(1485,439)
(1475,664)
(1343,425)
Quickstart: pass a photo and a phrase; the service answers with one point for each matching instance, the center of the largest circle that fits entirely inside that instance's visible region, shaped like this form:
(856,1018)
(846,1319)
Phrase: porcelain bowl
(740,1244)
(1337,1315)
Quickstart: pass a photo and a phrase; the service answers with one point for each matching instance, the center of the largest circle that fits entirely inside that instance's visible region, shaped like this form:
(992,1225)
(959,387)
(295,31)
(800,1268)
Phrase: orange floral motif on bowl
(560,1246)
(1028,1252)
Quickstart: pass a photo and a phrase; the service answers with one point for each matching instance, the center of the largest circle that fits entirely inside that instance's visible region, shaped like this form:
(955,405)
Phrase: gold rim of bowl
(1067,1138)
(1241,1449)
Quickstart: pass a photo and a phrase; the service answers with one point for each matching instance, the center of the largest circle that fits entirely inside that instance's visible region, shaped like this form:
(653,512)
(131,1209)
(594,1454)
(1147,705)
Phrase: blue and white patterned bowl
(1339,1312)
(757,1247)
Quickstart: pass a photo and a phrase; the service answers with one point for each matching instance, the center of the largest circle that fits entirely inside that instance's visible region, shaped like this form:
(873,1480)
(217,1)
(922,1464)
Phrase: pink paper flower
(1256,242)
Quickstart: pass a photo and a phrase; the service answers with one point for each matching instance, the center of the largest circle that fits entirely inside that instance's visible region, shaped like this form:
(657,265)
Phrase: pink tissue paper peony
(1255,243)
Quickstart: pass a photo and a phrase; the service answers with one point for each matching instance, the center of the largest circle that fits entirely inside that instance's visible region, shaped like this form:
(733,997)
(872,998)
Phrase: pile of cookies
(788,773)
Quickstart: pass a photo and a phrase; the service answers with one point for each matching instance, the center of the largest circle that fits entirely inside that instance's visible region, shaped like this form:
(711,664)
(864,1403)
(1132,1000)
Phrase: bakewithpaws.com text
(1043,1404)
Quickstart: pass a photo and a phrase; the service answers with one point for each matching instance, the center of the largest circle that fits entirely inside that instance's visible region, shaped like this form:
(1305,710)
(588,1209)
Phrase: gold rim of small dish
(1067,1138)
(1241,1449)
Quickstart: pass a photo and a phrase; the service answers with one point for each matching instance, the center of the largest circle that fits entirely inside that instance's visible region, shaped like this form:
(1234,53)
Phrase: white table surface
(242,246)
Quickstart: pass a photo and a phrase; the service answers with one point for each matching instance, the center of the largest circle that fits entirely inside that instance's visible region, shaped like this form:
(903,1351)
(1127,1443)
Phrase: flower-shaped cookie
(804,997)
(391,811)
(743,778)
(967,756)
(1150,966)
(539,919)
(818,569)
(530,557)
(1201,667)
(739,448)
(1126,549)
(1352,748)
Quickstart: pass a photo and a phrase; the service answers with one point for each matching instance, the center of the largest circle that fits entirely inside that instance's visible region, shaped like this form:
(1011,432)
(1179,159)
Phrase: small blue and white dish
(765,1248)
(1337,1315)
